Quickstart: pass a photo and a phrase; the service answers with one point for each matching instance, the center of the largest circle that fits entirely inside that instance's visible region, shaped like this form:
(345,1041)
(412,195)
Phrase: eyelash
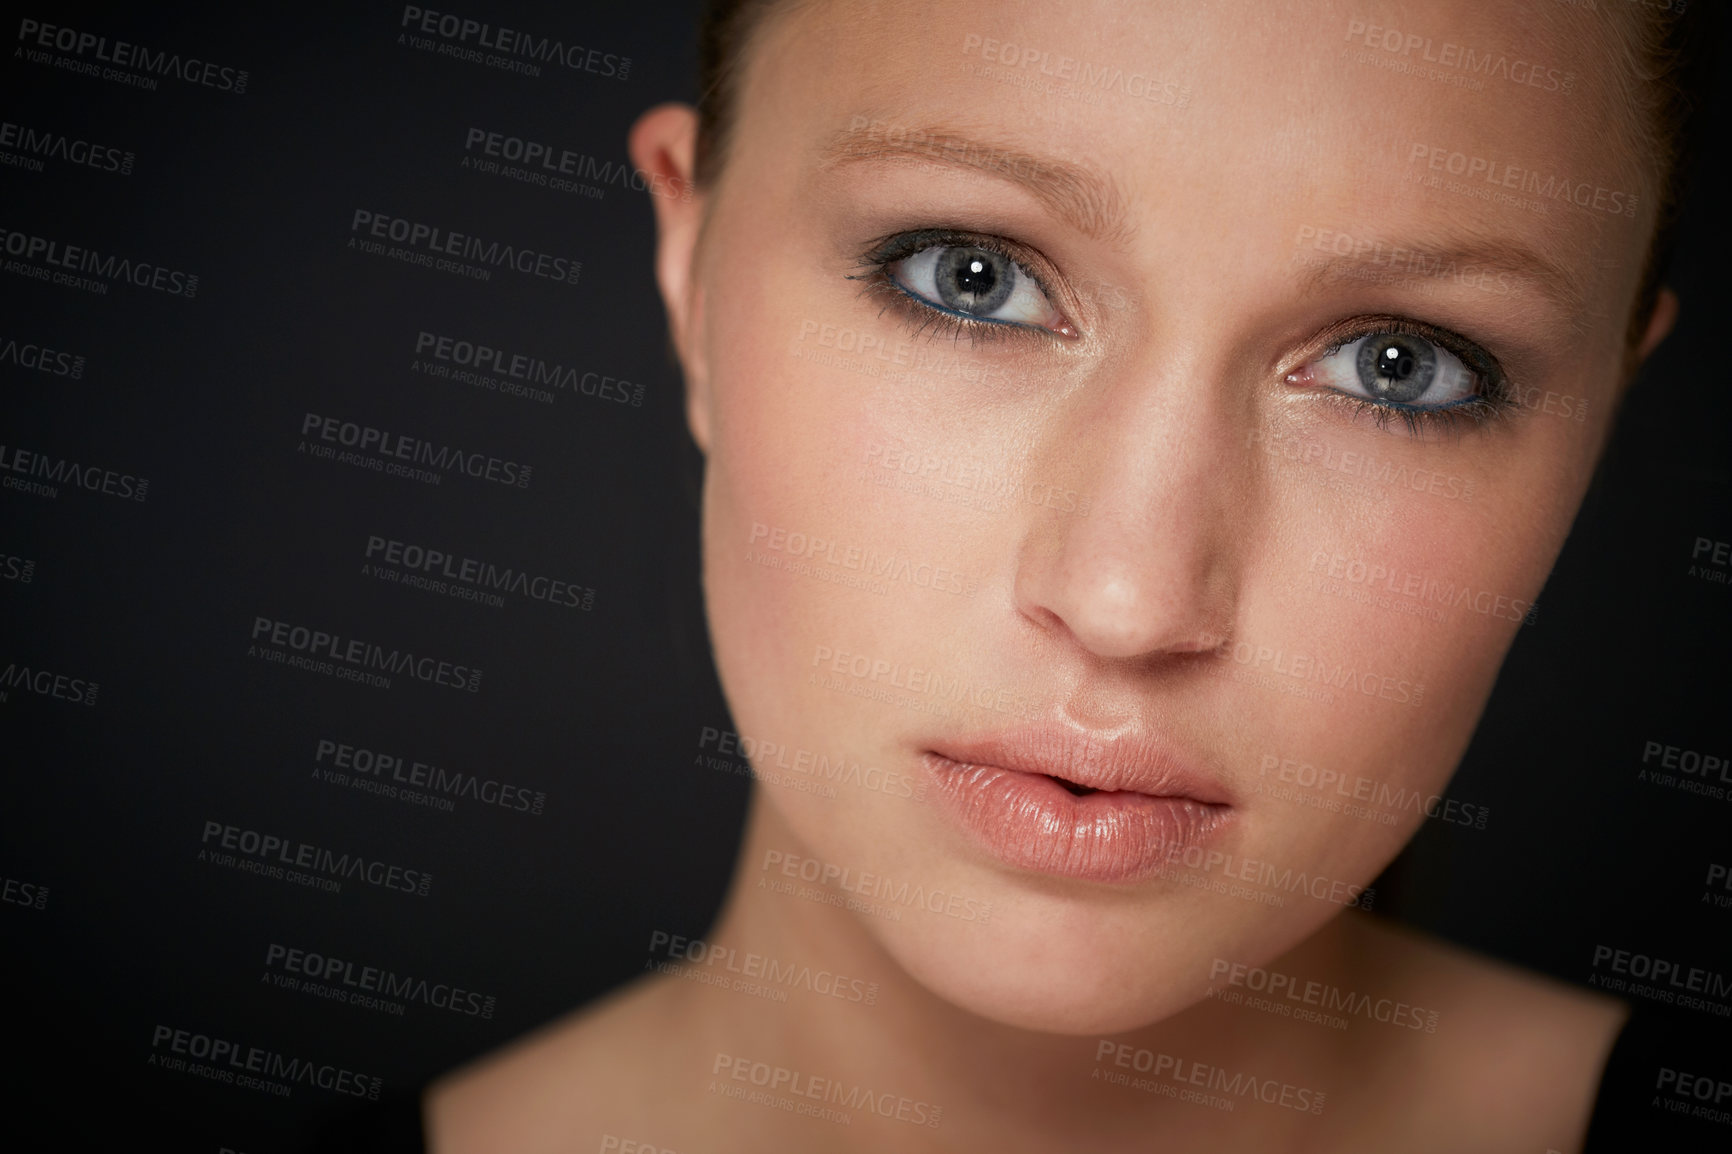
(926,317)
(1494,400)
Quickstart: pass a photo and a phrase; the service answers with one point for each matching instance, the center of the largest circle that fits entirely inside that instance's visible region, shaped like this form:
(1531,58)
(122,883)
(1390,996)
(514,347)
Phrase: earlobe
(1660,323)
(663,146)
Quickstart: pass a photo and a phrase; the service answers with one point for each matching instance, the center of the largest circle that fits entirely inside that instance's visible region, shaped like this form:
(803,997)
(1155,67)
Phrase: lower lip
(1030,821)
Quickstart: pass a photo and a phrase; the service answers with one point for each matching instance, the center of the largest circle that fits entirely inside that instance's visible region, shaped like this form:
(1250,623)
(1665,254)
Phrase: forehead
(1501,118)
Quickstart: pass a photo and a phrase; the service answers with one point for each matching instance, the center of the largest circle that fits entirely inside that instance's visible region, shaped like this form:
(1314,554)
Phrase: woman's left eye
(976,284)
(1402,370)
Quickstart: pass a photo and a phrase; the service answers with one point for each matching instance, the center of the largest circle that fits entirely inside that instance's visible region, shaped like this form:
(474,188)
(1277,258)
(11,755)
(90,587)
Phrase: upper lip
(1133,761)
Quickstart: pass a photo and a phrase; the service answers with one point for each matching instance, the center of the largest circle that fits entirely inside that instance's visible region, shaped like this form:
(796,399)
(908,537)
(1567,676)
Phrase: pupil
(1396,366)
(972,280)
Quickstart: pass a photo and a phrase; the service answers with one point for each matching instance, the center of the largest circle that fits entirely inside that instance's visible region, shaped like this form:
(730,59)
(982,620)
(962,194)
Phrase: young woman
(1134,435)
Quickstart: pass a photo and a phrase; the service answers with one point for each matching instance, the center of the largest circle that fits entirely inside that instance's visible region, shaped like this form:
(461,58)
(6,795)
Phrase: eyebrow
(1463,259)
(1086,199)
(1091,203)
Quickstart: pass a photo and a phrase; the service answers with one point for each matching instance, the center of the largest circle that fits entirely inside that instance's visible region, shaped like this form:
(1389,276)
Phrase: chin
(1059,971)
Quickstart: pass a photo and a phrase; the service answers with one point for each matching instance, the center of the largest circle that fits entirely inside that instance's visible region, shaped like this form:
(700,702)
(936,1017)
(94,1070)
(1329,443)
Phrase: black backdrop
(151,701)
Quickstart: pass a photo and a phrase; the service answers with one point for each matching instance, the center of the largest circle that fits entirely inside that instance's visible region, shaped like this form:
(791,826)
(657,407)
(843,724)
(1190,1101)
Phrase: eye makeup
(1389,368)
(977,287)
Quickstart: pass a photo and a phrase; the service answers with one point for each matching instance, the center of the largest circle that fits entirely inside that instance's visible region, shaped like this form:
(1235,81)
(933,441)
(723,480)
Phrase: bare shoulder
(1515,1060)
(570,1084)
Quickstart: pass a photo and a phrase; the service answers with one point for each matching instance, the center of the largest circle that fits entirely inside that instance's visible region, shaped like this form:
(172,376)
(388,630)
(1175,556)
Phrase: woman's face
(1187,402)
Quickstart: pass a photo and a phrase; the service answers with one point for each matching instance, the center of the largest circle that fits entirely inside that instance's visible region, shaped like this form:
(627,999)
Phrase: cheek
(810,572)
(789,543)
(1376,620)
(816,542)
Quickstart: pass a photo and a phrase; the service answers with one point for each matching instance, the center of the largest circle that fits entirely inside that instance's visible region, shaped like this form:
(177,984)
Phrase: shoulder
(1516,1057)
(568,1085)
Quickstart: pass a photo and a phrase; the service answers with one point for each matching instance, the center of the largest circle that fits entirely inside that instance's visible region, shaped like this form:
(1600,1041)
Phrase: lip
(1005,790)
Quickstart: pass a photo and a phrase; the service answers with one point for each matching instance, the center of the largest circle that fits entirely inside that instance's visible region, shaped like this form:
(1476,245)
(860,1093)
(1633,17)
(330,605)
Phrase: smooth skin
(1186,219)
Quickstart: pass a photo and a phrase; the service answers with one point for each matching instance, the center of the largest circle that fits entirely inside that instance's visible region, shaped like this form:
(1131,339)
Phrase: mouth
(1060,803)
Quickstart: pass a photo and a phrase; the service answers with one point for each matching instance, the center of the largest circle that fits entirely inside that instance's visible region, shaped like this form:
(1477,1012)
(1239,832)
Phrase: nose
(1152,568)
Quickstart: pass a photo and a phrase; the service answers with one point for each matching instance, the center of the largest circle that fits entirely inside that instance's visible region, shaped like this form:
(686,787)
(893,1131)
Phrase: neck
(1000,1087)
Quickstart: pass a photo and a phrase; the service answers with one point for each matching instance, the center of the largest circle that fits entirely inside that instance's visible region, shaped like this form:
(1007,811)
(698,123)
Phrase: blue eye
(975,283)
(1400,369)
(1392,368)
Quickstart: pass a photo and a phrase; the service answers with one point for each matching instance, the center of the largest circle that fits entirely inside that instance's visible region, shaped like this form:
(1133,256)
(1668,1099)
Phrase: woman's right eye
(977,284)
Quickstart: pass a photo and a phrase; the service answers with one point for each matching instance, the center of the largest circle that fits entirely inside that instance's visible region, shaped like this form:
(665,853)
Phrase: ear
(663,146)
(1665,315)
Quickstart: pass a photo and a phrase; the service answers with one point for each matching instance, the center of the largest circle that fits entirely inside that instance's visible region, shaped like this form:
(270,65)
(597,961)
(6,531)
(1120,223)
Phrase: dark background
(105,804)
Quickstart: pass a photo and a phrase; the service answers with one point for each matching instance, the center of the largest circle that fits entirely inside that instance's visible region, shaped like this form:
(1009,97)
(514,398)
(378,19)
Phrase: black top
(1660,1083)
(392,1125)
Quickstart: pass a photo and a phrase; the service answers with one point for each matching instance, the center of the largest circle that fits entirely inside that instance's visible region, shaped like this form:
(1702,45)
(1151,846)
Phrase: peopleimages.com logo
(478,42)
(88,52)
